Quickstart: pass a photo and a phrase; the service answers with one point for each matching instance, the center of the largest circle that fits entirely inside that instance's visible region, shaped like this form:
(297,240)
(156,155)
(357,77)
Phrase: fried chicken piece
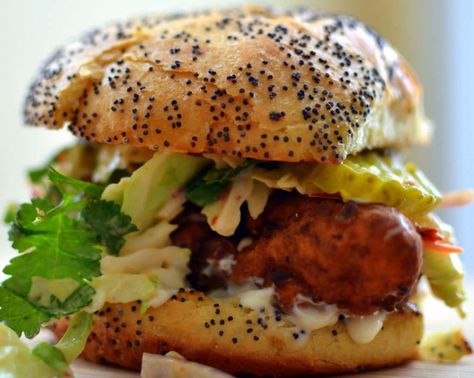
(208,250)
(362,257)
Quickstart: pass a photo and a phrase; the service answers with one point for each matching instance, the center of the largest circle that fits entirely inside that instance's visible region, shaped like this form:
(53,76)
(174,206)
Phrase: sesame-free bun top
(303,86)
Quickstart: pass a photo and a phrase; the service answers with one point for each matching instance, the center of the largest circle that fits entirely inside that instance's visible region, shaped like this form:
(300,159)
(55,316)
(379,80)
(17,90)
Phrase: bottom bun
(222,334)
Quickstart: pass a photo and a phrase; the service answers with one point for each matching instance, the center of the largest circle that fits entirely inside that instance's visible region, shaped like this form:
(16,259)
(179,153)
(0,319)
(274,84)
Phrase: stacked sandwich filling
(307,243)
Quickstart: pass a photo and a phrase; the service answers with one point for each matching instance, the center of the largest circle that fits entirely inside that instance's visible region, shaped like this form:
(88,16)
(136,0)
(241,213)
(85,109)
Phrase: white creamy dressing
(363,329)
(312,316)
(223,265)
(235,291)
(257,299)
(306,315)
(226,264)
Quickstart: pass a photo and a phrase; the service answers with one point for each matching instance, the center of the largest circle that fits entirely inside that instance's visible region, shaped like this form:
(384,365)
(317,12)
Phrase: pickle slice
(372,177)
(366,177)
(445,275)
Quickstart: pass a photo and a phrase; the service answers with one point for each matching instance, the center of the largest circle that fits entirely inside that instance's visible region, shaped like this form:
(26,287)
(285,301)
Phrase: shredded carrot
(434,241)
(459,198)
(439,246)
(429,234)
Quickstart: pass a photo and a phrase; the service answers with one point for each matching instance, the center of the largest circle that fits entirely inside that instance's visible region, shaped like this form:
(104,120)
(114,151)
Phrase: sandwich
(236,196)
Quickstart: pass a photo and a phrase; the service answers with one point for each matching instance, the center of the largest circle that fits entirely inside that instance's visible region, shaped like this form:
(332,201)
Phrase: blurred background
(434,35)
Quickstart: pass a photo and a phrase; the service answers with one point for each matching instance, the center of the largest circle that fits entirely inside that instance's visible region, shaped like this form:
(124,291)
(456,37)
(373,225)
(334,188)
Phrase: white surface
(416,369)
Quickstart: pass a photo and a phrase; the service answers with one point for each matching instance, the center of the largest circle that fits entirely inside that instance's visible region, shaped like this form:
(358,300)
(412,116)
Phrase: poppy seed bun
(249,83)
(223,335)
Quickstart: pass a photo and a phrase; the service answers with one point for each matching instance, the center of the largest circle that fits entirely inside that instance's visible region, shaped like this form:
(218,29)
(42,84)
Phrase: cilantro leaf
(69,186)
(110,224)
(20,315)
(60,249)
(36,175)
(10,213)
(209,185)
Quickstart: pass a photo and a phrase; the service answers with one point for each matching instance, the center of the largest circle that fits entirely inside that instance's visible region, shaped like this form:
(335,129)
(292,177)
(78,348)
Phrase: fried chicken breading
(362,257)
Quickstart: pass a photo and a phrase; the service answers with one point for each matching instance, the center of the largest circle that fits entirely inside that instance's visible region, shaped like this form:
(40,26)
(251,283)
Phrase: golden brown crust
(250,83)
(381,267)
(228,337)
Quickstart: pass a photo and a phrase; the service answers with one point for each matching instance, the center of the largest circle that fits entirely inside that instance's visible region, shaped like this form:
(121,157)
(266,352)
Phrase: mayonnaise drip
(363,329)
(307,316)
(310,316)
(258,299)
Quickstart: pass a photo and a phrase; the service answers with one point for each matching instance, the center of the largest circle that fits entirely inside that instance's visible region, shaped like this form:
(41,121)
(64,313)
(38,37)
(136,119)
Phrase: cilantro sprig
(59,242)
(40,173)
(210,184)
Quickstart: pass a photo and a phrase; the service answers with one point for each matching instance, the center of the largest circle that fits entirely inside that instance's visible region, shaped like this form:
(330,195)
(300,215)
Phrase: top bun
(303,86)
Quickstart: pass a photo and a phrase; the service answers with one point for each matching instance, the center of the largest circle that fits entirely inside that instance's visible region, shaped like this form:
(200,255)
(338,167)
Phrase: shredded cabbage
(166,267)
(44,360)
(16,359)
(258,198)
(157,236)
(223,215)
(173,207)
(147,267)
(43,290)
(122,288)
(149,188)
(151,261)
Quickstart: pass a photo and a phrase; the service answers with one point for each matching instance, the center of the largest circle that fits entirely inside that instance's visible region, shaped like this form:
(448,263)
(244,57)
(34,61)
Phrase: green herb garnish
(60,249)
(210,184)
